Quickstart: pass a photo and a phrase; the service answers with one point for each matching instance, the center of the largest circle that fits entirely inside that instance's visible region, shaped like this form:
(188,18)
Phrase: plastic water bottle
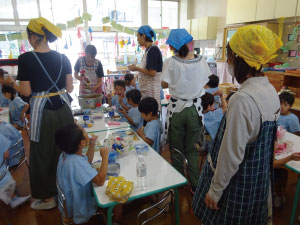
(141,172)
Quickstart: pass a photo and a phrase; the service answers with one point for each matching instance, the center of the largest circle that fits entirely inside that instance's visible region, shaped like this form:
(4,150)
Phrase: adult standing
(234,184)
(89,71)
(46,75)
(186,75)
(150,72)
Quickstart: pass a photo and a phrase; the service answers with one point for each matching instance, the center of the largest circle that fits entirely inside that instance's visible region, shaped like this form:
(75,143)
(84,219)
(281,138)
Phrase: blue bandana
(146,30)
(178,38)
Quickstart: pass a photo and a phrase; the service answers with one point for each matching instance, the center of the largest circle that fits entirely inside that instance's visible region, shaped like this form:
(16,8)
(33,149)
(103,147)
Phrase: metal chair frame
(21,150)
(161,209)
(1,177)
(63,203)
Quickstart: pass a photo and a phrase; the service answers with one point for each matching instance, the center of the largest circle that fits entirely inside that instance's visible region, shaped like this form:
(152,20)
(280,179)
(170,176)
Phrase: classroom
(160,112)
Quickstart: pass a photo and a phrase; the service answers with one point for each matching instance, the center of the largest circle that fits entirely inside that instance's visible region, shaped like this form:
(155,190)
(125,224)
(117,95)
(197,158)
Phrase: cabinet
(265,9)
(204,28)
(284,8)
(240,11)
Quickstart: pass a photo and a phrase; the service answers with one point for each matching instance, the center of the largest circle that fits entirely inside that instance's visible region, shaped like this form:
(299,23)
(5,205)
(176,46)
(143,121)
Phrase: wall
(203,8)
(283,57)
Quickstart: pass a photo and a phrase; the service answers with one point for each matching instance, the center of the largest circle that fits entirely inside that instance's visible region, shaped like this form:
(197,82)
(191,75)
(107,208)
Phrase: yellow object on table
(226,88)
(119,189)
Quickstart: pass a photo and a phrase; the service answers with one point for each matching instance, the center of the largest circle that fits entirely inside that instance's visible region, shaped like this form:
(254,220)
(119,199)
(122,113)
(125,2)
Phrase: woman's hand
(210,203)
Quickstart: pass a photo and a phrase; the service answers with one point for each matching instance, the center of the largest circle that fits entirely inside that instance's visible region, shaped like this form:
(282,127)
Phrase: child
(17,107)
(212,87)
(148,107)
(75,174)
(287,119)
(133,116)
(119,99)
(13,135)
(130,82)
(7,183)
(212,116)
(4,79)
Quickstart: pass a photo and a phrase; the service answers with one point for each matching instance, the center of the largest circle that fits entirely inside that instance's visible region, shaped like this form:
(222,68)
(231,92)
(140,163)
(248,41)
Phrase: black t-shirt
(29,69)
(154,59)
(99,69)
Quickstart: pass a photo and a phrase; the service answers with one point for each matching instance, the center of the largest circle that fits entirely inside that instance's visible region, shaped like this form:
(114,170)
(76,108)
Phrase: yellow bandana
(256,44)
(37,24)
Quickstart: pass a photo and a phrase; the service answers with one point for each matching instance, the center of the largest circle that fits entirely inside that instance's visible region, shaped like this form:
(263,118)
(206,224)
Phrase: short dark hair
(148,105)
(213,81)
(240,68)
(91,50)
(128,77)
(120,83)
(135,95)
(2,72)
(287,97)
(183,51)
(147,39)
(9,89)
(206,100)
(50,37)
(68,138)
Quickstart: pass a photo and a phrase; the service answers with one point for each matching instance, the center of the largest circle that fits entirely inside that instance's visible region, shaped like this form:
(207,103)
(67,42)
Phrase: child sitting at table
(287,119)
(130,82)
(212,87)
(17,107)
(133,116)
(148,107)
(13,135)
(119,99)
(212,116)
(75,174)
(7,183)
(4,79)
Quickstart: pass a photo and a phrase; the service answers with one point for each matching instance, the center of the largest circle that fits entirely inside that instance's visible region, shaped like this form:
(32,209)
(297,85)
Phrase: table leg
(109,215)
(177,211)
(295,203)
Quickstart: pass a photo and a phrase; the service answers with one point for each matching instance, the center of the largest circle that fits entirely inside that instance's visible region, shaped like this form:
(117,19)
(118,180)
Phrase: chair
(62,202)
(19,152)
(1,177)
(161,206)
(181,160)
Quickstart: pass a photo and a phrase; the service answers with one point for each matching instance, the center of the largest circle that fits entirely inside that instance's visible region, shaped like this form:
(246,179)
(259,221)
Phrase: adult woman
(234,184)
(46,75)
(186,76)
(150,72)
(89,71)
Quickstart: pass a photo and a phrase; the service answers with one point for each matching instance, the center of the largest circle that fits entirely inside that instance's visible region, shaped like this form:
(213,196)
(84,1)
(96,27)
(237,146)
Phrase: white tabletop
(160,174)
(293,165)
(4,114)
(101,125)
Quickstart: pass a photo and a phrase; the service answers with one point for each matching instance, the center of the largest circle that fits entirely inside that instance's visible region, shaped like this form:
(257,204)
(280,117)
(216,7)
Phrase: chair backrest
(181,160)
(4,162)
(16,153)
(62,201)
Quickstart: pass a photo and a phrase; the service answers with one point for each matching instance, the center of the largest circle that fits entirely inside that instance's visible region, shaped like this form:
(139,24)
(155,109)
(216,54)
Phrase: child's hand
(104,153)
(295,156)
(219,93)
(6,155)
(132,68)
(140,131)
(123,111)
(93,139)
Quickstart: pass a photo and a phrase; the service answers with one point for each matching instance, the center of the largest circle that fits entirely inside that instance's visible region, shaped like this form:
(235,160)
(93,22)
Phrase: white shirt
(186,79)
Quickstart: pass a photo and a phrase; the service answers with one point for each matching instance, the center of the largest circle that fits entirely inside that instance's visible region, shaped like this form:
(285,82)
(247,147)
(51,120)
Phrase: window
(27,9)
(6,10)
(163,14)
